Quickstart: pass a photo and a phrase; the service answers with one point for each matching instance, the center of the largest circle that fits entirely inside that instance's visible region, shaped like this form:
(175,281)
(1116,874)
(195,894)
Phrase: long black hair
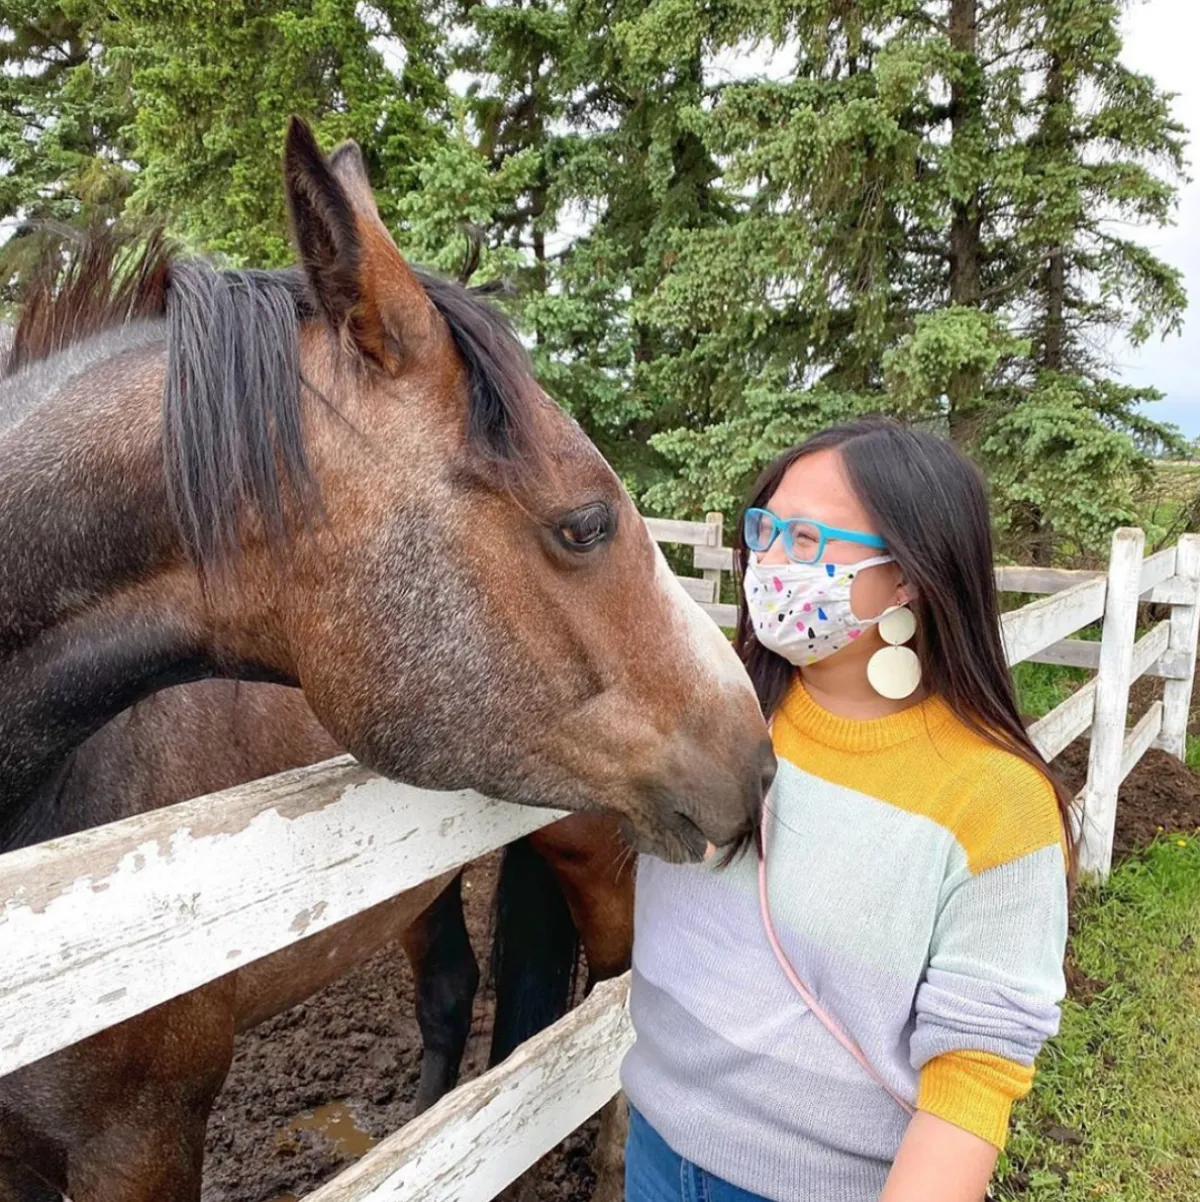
(929,504)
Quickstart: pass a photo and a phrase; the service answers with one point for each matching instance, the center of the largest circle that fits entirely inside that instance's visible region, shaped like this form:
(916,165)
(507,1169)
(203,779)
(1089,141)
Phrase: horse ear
(357,275)
(350,170)
(323,225)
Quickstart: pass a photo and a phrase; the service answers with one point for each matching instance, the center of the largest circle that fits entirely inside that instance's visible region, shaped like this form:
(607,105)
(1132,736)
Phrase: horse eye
(585,529)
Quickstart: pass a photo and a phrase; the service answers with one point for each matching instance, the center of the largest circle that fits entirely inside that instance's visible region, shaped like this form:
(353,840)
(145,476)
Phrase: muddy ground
(313,1089)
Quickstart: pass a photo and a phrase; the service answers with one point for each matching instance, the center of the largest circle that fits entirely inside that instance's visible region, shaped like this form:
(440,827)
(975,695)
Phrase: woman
(916,880)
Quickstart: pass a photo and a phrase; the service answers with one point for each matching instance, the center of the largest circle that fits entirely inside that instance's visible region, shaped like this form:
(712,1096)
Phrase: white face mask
(802,610)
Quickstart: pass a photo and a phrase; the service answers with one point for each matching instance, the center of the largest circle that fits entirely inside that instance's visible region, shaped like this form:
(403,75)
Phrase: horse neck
(82,494)
(179,743)
(98,605)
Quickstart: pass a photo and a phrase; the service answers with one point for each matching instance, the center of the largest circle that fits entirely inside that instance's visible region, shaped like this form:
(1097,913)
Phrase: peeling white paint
(486,1133)
(105,924)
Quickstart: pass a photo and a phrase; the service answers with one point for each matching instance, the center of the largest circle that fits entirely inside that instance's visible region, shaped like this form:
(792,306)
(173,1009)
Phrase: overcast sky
(1160,39)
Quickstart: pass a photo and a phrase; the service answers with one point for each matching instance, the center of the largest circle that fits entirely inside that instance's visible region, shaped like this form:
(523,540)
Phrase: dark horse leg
(447,976)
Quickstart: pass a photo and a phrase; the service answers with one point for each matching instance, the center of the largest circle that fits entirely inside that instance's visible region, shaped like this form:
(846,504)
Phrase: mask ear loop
(819,1012)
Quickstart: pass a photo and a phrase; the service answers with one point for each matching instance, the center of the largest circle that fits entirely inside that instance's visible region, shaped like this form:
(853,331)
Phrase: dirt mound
(1160,794)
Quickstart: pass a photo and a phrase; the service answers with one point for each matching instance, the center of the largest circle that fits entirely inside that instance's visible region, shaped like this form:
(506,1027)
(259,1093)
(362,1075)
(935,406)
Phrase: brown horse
(151,1080)
(346,479)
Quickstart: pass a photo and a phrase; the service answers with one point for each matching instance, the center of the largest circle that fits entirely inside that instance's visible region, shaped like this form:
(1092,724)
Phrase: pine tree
(1069,449)
(214,87)
(927,215)
(922,235)
(63,110)
(600,129)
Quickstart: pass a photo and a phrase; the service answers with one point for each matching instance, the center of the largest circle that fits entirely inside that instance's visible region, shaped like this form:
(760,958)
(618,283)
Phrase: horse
(345,478)
(154,1077)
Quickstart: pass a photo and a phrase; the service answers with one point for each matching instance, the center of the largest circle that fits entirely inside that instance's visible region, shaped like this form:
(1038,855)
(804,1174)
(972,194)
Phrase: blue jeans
(653,1173)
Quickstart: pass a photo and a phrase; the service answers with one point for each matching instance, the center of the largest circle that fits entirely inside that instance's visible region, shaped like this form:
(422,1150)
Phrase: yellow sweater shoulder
(1008,806)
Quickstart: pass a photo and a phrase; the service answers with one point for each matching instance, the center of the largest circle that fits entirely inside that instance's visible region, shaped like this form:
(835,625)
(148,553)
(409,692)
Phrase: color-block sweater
(917,883)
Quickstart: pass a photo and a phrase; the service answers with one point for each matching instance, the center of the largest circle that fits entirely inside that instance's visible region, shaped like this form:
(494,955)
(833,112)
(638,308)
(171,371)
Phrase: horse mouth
(678,840)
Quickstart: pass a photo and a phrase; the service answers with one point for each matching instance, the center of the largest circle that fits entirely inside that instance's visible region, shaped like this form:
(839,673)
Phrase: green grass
(1191,754)
(1040,687)
(1165,506)
(1115,1111)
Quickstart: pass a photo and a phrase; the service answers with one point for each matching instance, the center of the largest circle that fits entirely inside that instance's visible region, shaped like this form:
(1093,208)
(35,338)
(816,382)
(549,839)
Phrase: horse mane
(232,432)
(83,283)
(503,386)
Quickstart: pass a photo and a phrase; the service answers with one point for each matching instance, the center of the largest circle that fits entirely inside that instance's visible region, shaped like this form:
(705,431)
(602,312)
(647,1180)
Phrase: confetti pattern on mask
(819,593)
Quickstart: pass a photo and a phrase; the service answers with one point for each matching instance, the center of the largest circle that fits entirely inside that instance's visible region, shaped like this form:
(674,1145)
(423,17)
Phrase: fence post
(1099,819)
(1185,629)
(717,522)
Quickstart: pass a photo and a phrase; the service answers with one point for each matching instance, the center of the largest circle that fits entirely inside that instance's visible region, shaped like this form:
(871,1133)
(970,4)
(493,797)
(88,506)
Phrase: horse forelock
(232,431)
(504,391)
(234,387)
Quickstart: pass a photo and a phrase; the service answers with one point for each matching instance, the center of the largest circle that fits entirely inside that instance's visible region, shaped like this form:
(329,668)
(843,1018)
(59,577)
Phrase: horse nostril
(766,777)
(769,766)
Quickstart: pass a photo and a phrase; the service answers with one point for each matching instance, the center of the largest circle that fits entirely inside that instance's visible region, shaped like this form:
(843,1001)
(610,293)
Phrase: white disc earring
(894,671)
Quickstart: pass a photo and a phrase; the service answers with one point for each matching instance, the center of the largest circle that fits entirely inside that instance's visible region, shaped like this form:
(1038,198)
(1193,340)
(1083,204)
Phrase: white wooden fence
(102,925)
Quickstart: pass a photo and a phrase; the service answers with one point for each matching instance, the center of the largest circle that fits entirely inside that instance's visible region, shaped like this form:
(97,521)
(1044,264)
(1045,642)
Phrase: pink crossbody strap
(827,1021)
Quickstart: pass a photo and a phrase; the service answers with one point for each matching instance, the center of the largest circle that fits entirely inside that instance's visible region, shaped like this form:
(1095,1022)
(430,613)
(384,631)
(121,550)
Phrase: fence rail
(709,556)
(549,1086)
(102,925)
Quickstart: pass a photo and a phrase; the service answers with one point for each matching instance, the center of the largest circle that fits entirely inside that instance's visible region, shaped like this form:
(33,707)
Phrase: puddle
(335,1121)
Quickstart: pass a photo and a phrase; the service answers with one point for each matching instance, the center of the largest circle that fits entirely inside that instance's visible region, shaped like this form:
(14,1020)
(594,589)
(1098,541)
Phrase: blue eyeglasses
(803,539)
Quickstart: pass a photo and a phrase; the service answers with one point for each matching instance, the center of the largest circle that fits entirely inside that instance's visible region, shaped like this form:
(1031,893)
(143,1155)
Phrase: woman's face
(816,486)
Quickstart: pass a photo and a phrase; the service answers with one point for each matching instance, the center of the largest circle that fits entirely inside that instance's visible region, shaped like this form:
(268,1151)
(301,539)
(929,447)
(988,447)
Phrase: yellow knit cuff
(974,1091)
